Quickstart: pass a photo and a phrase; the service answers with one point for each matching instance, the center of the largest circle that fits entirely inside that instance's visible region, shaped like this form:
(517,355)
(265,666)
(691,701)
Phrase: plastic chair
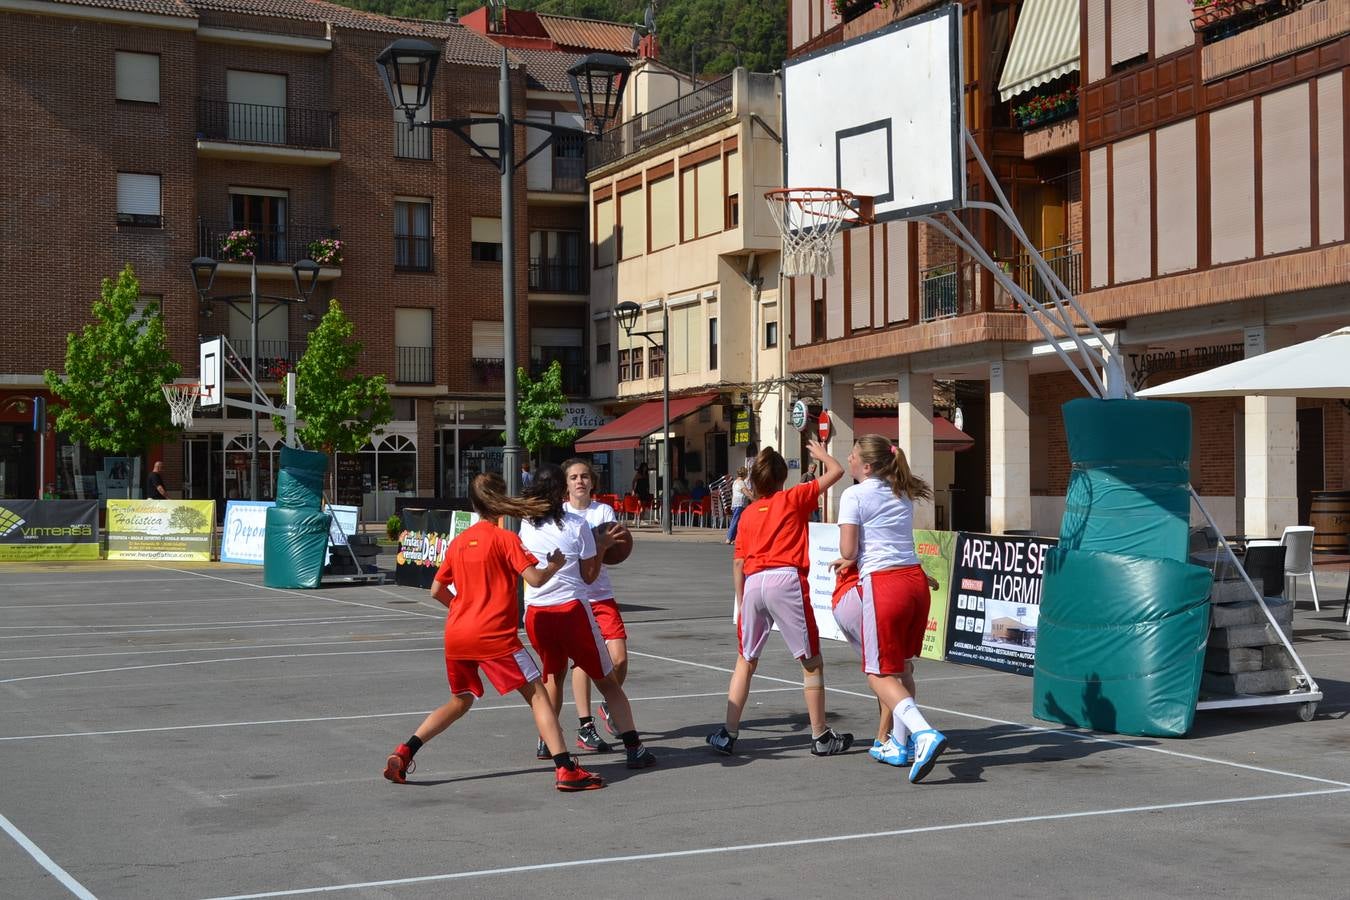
(1298,541)
(681,508)
(632,506)
(699,509)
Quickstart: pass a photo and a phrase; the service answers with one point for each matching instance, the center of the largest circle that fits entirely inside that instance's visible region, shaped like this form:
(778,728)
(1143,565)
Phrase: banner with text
(936,551)
(995,600)
(161,529)
(241,541)
(421,546)
(32,530)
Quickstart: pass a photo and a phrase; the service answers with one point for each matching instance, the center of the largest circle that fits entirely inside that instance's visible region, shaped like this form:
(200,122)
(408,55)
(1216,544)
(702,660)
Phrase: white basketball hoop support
(260,402)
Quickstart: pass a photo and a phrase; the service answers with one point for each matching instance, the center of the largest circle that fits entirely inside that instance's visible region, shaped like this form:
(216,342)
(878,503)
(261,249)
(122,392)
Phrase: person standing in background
(154,485)
(740,495)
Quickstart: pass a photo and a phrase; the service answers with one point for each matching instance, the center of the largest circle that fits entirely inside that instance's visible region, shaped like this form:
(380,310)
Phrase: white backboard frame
(882,115)
(211,371)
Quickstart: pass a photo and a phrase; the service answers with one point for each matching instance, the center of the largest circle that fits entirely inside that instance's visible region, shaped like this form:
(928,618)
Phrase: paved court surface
(180,731)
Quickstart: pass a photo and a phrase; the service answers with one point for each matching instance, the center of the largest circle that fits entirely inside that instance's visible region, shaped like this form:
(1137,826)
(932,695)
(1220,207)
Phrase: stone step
(1247,635)
(1234,659)
(1267,681)
(1249,612)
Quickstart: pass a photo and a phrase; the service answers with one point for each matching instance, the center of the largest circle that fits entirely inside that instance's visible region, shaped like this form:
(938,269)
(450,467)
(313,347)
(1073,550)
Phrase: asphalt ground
(181,731)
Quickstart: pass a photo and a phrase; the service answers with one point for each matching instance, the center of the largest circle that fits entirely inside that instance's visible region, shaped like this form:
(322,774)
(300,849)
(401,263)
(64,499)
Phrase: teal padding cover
(300,483)
(1128,487)
(293,547)
(1121,642)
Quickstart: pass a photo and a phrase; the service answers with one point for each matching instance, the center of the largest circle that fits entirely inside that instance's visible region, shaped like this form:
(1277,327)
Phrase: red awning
(628,430)
(946,436)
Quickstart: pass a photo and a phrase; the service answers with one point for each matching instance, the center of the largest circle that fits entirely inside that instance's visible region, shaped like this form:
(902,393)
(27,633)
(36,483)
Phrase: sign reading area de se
(161,529)
(245,530)
(995,600)
(33,530)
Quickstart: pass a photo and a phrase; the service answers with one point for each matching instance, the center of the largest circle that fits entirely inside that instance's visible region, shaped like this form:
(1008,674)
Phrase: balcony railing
(940,294)
(416,365)
(252,123)
(652,127)
(575,377)
(569,164)
(488,373)
(410,142)
(412,252)
(1218,19)
(276,245)
(564,276)
(276,359)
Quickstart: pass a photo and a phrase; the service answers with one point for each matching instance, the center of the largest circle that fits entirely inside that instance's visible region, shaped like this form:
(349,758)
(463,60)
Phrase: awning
(946,436)
(628,430)
(1044,46)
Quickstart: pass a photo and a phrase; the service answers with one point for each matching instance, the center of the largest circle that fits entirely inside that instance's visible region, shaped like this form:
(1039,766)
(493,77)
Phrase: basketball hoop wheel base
(808,220)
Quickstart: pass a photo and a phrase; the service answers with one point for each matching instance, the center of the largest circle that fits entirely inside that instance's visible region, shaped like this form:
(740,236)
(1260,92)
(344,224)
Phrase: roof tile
(589,34)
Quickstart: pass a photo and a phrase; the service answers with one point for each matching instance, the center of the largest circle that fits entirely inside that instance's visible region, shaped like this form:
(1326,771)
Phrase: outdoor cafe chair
(1298,542)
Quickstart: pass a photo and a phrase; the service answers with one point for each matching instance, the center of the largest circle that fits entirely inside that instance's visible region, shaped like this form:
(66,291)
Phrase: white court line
(373,620)
(218,649)
(305,721)
(303,620)
(302,595)
(45,861)
(63,582)
(774,845)
(207,662)
(97,605)
(1068,733)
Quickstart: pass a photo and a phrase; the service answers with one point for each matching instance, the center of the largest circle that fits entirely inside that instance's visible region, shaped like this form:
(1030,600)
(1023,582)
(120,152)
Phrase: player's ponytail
(488,497)
(768,472)
(889,463)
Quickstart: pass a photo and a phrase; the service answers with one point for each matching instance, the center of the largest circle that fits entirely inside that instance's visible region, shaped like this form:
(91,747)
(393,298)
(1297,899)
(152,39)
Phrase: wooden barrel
(1330,517)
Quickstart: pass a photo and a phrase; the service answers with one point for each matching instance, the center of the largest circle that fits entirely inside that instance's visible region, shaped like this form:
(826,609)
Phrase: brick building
(1183,173)
(143,131)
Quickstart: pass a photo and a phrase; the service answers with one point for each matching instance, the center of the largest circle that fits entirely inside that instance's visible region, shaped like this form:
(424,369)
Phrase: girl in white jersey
(883,610)
(558,618)
(600,593)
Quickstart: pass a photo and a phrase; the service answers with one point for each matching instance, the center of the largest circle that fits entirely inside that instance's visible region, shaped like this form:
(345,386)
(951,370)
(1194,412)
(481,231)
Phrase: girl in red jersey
(482,565)
(558,617)
(884,611)
(769,573)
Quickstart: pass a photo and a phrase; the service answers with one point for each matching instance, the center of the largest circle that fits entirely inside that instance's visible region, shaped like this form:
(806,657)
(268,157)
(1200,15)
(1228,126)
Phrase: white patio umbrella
(1316,368)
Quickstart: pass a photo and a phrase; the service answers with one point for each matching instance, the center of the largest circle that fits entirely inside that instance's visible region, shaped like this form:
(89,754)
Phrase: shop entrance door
(18,468)
(1310,460)
(715,453)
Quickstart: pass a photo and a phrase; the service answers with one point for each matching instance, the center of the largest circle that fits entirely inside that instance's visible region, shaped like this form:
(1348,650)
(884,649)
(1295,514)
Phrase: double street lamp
(306,275)
(627,314)
(408,69)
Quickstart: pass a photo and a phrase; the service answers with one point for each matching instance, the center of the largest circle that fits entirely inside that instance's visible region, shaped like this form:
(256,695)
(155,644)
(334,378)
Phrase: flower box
(239,245)
(1208,14)
(1046,109)
(326,251)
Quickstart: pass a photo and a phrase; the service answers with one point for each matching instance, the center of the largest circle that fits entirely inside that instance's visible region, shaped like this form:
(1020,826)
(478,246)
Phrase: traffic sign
(823,426)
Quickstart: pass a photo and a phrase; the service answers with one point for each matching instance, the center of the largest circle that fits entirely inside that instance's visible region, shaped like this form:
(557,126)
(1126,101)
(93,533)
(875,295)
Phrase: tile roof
(153,7)
(589,34)
(546,70)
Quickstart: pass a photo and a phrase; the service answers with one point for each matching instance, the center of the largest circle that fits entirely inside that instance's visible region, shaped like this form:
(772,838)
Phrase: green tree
(185,518)
(539,404)
(114,370)
(337,410)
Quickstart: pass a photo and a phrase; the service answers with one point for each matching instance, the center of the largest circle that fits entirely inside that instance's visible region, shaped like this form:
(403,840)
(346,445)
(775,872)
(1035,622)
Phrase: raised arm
(833,471)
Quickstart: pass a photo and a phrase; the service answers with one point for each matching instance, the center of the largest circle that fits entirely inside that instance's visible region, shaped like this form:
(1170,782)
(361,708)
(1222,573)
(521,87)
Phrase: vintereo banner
(48,529)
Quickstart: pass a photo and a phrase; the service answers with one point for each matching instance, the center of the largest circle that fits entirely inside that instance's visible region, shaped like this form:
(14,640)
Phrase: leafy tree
(336,412)
(114,370)
(185,518)
(538,405)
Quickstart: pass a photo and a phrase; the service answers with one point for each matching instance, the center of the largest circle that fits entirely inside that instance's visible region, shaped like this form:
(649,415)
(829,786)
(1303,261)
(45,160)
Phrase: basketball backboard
(211,372)
(881,116)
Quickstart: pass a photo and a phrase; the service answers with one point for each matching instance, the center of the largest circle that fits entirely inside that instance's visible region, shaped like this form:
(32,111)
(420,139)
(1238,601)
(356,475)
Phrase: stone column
(915,409)
(1009,446)
(1270,443)
(837,399)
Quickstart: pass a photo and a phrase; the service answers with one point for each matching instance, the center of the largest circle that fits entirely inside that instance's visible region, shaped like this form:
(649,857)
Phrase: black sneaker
(541,752)
(722,741)
(589,739)
(641,758)
(603,710)
(830,743)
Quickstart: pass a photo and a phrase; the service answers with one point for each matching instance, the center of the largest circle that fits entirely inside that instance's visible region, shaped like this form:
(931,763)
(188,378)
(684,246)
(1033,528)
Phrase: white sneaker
(928,746)
(891,753)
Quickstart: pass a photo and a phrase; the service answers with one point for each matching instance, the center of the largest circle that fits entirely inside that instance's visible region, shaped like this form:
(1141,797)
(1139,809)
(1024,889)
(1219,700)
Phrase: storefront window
(235,470)
(84,474)
(389,470)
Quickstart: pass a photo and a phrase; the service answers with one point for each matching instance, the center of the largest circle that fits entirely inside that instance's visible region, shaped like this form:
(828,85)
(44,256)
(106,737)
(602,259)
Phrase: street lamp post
(408,69)
(305,272)
(627,313)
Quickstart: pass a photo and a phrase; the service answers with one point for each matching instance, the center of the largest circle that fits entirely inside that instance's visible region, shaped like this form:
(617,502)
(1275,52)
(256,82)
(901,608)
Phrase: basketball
(623,542)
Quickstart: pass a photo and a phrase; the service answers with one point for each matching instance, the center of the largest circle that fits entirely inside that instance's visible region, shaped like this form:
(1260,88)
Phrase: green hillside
(707,27)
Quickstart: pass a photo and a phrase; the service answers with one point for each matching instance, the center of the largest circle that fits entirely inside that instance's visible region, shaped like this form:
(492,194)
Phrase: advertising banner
(161,529)
(241,541)
(32,530)
(421,546)
(822,542)
(995,600)
(936,551)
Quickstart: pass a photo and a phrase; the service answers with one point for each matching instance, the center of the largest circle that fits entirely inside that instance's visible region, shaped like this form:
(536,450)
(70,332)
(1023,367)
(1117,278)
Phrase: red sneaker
(399,764)
(577,779)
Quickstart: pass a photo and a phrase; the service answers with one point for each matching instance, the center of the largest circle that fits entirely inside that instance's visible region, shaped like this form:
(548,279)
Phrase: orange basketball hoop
(809,219)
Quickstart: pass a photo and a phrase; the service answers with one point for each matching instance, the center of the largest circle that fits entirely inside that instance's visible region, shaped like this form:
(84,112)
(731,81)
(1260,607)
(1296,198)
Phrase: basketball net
(809,219)
(181,398)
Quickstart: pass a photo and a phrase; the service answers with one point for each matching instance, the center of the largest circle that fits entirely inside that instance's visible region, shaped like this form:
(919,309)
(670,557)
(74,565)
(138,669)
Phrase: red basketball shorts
(568,631)
(609,619)
(884,617)
(507,673)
